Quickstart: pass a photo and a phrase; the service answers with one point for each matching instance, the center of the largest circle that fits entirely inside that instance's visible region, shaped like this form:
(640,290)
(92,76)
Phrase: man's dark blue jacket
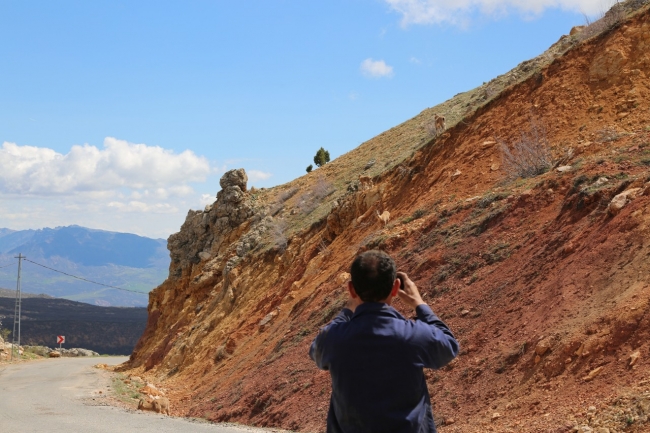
(376,359)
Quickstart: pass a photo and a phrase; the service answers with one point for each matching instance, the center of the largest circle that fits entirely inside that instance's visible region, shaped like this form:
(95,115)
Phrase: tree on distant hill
(309,168)
(322,157)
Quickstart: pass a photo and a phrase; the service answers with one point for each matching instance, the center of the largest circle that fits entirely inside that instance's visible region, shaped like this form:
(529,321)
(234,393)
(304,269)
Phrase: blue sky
(123,115)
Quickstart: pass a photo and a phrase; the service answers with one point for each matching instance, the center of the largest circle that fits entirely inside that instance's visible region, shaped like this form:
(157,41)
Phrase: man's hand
(408,293)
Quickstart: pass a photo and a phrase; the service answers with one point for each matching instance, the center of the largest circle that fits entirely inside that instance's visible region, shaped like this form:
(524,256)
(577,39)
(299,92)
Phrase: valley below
(106,330)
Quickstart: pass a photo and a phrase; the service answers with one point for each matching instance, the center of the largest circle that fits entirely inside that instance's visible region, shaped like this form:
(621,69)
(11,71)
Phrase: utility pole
(15,338)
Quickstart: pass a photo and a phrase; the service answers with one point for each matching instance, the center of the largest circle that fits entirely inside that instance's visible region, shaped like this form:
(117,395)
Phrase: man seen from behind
(376,357)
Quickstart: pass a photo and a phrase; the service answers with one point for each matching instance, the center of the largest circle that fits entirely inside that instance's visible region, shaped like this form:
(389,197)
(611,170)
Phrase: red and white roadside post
(60,339)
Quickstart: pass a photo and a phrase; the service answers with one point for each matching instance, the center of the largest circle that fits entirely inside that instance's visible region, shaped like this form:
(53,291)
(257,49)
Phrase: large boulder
(235,177)
(621,200)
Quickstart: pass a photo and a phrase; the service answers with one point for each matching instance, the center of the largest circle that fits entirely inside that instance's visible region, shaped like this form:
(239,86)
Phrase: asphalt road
(61,396)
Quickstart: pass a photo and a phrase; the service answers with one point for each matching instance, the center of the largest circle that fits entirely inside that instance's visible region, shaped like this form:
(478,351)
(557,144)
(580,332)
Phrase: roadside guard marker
(60,339)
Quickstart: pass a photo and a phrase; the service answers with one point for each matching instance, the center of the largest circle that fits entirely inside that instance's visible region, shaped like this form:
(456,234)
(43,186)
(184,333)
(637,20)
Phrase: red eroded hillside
(545,280)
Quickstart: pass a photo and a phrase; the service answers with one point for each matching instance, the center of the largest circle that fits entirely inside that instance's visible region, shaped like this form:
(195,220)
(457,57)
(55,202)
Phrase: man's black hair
(373,274)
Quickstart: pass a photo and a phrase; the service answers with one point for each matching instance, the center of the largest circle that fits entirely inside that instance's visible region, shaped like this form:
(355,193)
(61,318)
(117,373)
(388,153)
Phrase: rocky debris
(576,29)
(600,182)
(343,278)
(75,352)
(71,353)
(593,373)
(621,200)
(543,346)
(5,350)
(616,415)
(563,169)
(634,358)
(268,318)
(455,175)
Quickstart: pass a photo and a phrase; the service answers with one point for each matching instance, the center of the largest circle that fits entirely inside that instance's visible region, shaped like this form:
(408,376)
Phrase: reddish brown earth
(540,283)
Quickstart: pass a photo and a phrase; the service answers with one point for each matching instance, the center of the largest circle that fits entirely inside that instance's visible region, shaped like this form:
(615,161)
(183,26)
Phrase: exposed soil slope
(545,283)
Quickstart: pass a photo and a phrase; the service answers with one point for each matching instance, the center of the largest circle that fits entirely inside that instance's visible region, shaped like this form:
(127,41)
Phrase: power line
(83,279)
(6,266)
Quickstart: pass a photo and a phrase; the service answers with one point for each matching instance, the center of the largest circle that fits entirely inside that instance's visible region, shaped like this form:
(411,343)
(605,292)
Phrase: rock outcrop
(207,234)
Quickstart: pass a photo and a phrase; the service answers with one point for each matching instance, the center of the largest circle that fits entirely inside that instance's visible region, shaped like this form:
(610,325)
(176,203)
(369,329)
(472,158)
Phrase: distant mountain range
(123,260)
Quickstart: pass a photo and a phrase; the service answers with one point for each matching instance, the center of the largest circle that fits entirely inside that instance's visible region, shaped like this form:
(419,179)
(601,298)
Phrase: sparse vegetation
(419,213)
(487,200)
(220,354)
(123,391)
(282,198)
(310,200)
(529,156)
(605,21)
(608,134)
(309,168)
(278,238)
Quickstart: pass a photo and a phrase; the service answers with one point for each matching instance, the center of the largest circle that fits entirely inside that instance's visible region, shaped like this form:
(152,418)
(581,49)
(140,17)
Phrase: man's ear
(395,289)
(353,293)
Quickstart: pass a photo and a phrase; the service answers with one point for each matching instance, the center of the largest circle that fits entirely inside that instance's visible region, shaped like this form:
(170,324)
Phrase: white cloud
(120,164)
(122,186)
(256,175)
(207,199)
(141,207)
(457,11)
(376,68)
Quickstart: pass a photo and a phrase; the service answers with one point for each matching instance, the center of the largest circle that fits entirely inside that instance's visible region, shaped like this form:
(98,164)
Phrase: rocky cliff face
(544,279)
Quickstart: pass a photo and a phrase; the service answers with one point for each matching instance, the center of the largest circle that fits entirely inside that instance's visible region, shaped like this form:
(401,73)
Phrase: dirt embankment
(544,282)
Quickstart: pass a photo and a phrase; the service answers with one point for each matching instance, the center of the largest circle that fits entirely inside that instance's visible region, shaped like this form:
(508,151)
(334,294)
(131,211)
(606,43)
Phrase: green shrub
(322,157)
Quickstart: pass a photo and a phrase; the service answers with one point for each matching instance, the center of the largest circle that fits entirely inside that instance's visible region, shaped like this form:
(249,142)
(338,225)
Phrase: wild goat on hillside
(440,123)
(383,217)
(365,182)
